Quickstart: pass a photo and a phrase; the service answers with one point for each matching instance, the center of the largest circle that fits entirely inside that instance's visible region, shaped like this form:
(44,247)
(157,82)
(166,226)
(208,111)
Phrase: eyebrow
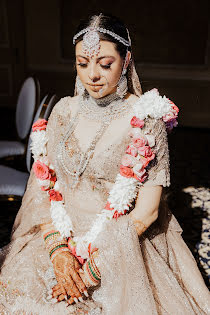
(99,58)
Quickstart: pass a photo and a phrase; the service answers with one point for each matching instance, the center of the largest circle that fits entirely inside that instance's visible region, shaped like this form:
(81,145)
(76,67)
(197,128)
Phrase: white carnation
(60,218)
(38,144)
(152,104)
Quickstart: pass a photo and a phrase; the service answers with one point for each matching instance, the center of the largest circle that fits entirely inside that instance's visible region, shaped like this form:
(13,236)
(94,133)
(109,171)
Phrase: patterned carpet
(188,195)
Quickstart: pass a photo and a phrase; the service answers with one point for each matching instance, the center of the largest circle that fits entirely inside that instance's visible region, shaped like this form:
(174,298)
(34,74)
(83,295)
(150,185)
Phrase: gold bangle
(139,222)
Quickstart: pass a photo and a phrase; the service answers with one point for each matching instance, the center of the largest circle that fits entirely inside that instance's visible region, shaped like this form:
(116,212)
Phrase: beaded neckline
(103,101)
(104,109)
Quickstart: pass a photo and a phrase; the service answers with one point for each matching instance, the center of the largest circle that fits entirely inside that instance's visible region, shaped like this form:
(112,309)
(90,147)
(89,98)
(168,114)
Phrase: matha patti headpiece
(91,39)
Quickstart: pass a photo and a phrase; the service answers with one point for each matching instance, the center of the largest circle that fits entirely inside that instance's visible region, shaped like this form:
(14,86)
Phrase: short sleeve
(159,168)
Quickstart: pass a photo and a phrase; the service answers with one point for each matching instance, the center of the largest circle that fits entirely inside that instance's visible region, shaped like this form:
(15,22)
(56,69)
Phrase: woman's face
(99,72)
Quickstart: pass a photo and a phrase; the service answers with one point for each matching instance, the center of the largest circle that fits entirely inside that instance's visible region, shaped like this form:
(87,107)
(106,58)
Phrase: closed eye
(82,65)
(106,66)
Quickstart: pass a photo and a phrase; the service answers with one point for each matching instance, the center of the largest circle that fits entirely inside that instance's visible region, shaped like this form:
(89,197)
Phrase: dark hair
(110,23)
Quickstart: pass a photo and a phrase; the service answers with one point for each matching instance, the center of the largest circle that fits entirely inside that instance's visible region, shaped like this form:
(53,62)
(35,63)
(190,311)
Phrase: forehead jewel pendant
(91,42)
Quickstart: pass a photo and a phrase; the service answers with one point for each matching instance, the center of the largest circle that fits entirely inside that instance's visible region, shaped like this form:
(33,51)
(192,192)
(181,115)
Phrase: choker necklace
(103,109)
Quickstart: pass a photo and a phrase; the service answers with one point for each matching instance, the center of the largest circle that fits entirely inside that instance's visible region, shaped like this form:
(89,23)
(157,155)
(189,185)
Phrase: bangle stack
(91,270)
(54,243)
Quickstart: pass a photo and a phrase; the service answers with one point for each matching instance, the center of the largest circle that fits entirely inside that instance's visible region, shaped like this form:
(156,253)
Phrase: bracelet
(91,271)
(55,253)
(54,243)
(139,222)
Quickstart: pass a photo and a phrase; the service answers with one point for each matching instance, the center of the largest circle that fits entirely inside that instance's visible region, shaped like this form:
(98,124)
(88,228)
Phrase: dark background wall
(171,45)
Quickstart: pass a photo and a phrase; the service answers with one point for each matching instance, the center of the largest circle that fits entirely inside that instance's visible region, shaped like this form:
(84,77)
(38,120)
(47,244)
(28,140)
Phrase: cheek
(82,74)
(113,74)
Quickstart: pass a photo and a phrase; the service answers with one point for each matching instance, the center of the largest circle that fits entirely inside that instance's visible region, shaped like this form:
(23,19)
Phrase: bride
(94,234)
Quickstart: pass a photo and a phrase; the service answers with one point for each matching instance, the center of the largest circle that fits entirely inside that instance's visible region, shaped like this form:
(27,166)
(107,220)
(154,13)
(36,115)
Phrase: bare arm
(146,209)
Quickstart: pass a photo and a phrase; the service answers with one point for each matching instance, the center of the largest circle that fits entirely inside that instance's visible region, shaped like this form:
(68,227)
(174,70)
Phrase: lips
(95,85)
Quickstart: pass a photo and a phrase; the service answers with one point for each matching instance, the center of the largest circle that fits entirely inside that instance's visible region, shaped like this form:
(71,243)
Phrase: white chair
(28,100)
(13,182)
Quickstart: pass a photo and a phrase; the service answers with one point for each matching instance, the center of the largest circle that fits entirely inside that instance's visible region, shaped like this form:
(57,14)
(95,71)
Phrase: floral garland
(133,170)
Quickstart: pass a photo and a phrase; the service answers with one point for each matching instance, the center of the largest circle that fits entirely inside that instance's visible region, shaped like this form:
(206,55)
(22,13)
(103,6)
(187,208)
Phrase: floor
(188,195)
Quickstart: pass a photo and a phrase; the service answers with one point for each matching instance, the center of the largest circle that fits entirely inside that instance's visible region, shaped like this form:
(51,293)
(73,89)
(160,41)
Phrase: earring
(122,85)
(79,86)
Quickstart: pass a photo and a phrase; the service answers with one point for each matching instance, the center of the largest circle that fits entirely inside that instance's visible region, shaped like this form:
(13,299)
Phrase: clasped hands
(71,280)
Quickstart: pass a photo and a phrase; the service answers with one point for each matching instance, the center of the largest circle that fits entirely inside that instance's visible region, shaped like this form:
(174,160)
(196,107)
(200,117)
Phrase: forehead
(106,48)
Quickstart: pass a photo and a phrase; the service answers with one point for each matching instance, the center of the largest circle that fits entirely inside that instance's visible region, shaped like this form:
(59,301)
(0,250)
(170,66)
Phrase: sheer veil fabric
(152,274)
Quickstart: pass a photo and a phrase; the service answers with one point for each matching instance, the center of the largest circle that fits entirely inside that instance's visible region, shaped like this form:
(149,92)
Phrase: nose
(93,73)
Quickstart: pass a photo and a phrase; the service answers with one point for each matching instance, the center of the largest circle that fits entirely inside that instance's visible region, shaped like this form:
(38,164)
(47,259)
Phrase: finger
(77,265)
(85,280)
(79,283)
(56,287)
(61,297)
(70,301)
(61,290)
(71,288)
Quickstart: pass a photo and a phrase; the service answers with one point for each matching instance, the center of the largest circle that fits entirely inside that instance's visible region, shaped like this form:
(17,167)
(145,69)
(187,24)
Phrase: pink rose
(139,142)
(136,122)
(142,178)
(144,161)
(139,171)
(126,171)
(39,125)
(131,150)
(145,151)
(128,160)
(55,195)
(135,133)
(41,170)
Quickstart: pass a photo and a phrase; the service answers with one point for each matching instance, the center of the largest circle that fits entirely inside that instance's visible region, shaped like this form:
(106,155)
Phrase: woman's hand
(70,284)
(90,272)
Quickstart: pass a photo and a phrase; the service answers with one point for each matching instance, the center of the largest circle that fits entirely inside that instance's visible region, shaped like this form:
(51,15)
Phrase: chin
(96,94)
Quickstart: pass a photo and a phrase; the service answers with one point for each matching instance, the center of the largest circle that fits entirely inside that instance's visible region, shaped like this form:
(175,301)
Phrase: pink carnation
(172,114)
(39,125)
(107,207)
(41,170)
(136,122)
(117,214)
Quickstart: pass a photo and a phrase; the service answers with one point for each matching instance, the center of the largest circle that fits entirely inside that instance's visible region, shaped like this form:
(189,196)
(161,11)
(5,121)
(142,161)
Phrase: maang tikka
(91,47)
(91,39)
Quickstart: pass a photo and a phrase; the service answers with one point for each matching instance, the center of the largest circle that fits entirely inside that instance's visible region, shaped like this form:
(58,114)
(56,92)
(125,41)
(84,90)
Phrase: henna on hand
(69,281)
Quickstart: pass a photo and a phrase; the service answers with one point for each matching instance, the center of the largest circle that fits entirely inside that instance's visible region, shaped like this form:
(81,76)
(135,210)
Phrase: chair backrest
(43,111)
(51,104)
(28,98)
